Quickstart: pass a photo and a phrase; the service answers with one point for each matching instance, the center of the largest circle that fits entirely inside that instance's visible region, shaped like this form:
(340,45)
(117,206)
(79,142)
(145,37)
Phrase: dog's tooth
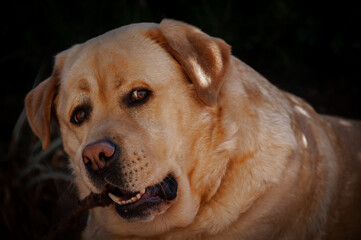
(114,198)
(131,200)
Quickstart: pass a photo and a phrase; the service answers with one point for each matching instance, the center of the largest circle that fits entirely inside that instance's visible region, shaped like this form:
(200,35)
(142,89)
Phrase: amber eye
(80,115)
(138,96)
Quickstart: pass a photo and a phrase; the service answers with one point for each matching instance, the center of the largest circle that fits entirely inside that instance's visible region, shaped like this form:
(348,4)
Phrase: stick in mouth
(91,201)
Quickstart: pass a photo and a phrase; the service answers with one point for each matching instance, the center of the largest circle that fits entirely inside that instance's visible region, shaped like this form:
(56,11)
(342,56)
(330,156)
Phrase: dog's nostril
(102,155)
(86,160)
(96,154)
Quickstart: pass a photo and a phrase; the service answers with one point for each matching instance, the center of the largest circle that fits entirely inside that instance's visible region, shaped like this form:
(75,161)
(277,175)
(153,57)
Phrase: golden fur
(251,161)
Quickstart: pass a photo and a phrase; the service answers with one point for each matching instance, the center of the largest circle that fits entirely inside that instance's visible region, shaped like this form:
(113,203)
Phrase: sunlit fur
(251,161)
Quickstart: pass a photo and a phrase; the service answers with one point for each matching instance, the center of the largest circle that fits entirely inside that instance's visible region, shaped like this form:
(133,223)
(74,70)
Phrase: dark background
(310,49)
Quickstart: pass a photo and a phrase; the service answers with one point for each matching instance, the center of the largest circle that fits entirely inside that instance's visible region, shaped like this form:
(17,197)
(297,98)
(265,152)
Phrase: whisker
(171,179)
(163,190)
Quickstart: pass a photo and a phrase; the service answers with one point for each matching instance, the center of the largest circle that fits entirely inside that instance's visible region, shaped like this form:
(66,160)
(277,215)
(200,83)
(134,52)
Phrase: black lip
(154,196)
(167,189)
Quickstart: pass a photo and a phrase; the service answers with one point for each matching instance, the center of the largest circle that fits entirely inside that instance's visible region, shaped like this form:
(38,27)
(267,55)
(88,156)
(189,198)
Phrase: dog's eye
(138,96)
(80,115)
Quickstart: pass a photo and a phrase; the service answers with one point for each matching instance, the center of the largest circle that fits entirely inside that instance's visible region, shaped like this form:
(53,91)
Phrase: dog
(192,143)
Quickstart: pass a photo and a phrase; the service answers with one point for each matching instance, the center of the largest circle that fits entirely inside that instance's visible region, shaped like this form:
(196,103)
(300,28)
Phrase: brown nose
(97,153)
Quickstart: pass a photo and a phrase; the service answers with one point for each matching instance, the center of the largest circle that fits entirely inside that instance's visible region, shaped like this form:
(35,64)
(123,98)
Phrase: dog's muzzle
(102,160)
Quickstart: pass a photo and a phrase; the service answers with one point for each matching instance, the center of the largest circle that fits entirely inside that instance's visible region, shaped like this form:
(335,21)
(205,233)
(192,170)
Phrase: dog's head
(137,110)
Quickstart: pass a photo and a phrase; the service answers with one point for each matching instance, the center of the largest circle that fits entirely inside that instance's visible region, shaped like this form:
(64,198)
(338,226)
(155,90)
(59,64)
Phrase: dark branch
(91,201)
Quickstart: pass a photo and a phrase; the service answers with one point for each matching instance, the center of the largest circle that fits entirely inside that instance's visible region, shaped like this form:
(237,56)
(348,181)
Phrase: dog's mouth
(140,205)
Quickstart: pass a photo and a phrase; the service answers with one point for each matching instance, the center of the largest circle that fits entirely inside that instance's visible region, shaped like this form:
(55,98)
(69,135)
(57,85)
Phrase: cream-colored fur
(251,161)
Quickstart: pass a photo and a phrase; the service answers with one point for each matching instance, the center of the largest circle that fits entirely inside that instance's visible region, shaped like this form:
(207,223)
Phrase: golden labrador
(194,144)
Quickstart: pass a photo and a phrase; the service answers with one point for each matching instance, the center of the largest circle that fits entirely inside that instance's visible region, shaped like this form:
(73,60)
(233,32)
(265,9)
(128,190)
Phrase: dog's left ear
(39,102)
(205,59)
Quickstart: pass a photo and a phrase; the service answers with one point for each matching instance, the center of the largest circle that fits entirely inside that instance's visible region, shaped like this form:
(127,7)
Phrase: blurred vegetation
(311,49)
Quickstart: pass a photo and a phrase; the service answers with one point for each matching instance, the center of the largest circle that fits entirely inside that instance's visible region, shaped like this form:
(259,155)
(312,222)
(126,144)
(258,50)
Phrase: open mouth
(139,205)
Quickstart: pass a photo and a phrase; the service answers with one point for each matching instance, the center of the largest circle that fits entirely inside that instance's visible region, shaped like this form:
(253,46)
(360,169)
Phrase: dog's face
(134,107)
(137,113)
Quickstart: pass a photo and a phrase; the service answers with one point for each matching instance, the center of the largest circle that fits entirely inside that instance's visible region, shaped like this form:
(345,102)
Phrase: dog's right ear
(39,103)
(204,59)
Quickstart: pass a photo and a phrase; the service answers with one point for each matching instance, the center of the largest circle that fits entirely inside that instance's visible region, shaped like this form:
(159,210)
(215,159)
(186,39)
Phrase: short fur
(251,161)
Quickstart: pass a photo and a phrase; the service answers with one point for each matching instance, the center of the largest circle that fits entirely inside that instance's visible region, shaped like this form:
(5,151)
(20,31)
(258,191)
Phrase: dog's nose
(97,153)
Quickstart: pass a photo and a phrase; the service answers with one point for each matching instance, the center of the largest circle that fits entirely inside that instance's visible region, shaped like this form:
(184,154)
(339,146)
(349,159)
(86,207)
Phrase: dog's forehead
(115,58)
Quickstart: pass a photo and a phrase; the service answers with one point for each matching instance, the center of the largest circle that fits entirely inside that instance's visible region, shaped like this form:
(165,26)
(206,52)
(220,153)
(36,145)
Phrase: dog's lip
(166,189)
(134,204)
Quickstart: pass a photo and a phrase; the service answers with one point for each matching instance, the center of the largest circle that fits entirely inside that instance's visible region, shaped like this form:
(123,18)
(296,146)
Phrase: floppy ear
(39,102)
(205,59)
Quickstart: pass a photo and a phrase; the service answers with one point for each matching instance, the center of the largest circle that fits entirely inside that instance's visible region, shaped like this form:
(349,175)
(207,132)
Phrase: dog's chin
(145,204)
